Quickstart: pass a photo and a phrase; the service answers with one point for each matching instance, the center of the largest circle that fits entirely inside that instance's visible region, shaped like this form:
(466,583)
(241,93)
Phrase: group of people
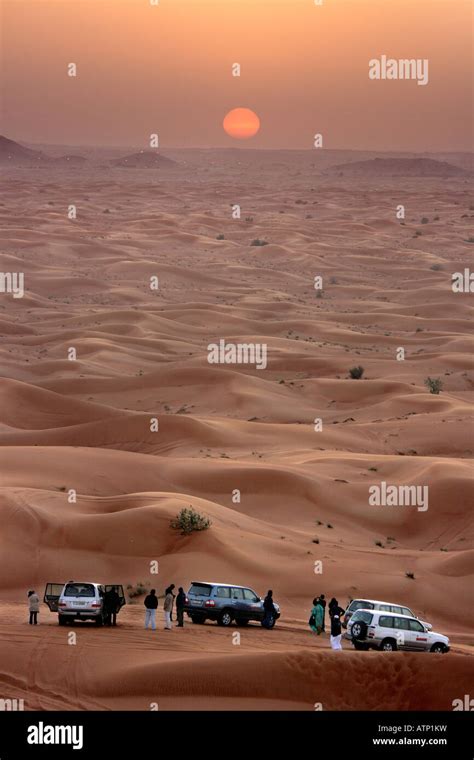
(170,598)
(317,621)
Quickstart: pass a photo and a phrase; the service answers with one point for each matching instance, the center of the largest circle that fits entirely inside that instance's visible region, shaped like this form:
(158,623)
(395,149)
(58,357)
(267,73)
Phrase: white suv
(79,601)
(368,629)
(375,604)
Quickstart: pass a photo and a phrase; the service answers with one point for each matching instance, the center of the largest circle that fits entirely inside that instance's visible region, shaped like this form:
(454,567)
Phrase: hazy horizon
(167,69)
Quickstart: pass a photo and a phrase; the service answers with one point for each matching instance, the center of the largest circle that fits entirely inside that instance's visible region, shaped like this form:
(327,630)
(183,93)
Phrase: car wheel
(359,630)
(360,647)
(198,619)
(61,620)
(388,645)
(270,624)
(242,622)
(439,648)
(225,618)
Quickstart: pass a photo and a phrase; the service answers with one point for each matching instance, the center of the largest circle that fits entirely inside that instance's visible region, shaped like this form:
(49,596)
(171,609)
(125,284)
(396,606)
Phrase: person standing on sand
(111,605)
(168,607)
(269,609)
(180,602)
(33,605)
(151,604)
(317,617)
(336,632)
(334,608)
(322,601)
(170,590)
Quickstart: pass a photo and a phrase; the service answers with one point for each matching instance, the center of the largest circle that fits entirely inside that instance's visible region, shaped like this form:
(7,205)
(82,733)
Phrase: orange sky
(167,69)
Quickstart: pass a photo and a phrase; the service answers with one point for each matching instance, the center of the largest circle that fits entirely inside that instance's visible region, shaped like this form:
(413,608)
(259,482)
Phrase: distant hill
(399,167)
(145,159)
(14,153)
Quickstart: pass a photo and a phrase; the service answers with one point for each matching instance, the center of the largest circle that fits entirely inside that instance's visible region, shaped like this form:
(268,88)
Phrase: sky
(167,69)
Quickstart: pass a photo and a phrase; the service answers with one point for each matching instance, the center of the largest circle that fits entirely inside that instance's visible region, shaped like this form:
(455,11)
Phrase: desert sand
(142,354)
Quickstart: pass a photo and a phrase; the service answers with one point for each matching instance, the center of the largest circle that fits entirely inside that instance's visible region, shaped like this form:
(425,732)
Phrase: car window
(237,593)
(250,596)
(400,623)
(415,625)
(223,592)
(407,611)
(359,604)
(397,610)
(79,589)
(384,607)
(366,617)
(200,589)
(385,621)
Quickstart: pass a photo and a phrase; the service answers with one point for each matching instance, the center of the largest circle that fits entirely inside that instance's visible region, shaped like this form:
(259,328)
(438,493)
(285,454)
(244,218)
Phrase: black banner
(345,734)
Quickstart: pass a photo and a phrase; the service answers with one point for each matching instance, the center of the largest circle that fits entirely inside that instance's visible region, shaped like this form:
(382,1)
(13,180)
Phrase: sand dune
(82,426)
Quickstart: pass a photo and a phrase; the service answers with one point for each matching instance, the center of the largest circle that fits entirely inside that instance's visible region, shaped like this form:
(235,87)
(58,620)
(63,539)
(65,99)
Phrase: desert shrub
(315,540)
(434,384)
(436,267)
(410,575)
(356,372)
(188,521)
(470,239)
(424,220)
(138,590)
(379,543)
(249,218)
(220,237)
(257,241)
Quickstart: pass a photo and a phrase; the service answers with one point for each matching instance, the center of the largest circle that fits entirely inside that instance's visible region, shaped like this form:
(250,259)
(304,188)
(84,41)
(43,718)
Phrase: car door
(238,602)
(418,635)
(402,633)
(119,590)
(51,595)
(253,605)
(384,628)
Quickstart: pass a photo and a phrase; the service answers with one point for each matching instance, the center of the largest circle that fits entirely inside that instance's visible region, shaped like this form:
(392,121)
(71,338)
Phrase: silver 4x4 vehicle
(225,602)
(375,604)
(79,600)
(388,631)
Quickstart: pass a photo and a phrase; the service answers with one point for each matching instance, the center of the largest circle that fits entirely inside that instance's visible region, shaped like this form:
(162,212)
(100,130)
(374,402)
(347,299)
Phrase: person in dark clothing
(151,604)
(322,602)
(180,602)
(336,630)
(334,608)
(111,605)
(269,609)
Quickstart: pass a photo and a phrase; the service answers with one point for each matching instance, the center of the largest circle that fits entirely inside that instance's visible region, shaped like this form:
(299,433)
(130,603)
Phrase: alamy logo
(384,495)
(463,704)
(237,353)
(12,705)
(42,734)
(12,282)
(403,68)
(462,282)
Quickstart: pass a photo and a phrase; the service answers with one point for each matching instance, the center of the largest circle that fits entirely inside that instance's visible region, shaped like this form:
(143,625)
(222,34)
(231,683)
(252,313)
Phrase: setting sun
(241,123)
